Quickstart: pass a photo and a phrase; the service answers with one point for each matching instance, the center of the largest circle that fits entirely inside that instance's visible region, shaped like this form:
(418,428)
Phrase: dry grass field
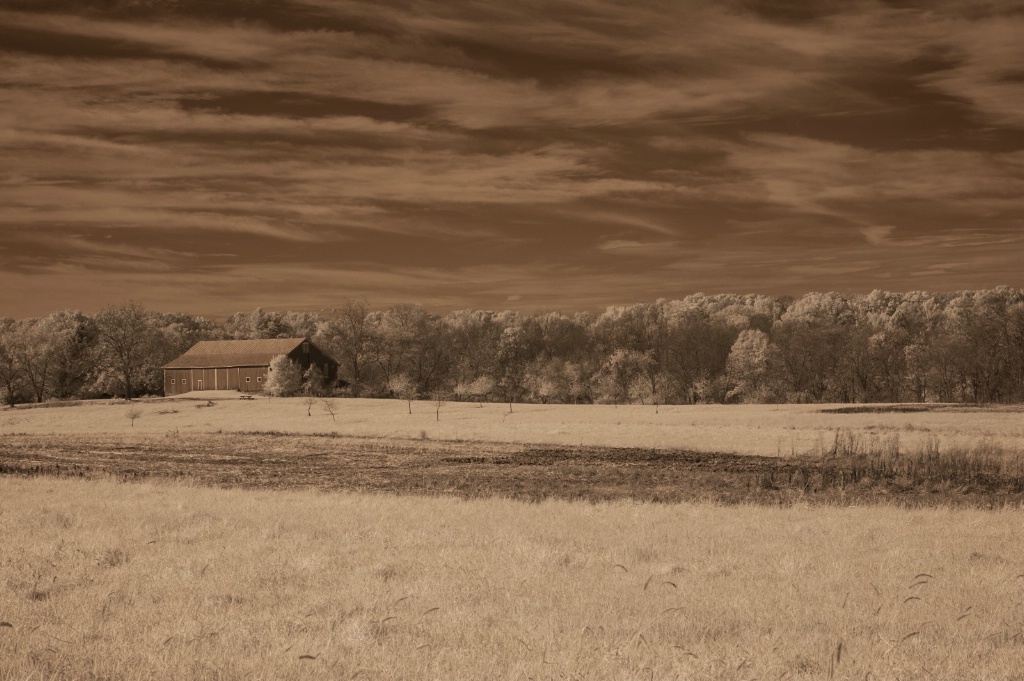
(254,541)
(103,580)
(768,430)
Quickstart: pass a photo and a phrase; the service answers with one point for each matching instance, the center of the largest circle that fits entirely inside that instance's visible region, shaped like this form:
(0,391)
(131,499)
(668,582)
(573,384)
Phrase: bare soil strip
(477,470)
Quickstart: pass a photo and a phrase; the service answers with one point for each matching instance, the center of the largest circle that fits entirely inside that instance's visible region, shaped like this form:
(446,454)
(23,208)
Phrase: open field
(395,546)
(767,430)
(157,581)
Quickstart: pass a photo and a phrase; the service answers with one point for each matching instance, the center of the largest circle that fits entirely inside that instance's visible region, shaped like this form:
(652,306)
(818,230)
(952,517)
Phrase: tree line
(965,346)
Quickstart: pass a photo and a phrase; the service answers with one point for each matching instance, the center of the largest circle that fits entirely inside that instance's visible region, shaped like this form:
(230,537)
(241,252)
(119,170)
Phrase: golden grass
(745,429)
(159,581)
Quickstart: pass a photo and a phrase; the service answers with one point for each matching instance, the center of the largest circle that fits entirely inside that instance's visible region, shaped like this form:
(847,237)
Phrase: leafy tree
(620,372)
(754,368)
(127,340)
(35,352)
(284,378)
(259,324)
(514,355)
(76,353)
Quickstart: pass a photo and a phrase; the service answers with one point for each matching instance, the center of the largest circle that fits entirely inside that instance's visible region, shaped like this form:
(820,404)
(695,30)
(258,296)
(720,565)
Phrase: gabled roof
(234,353)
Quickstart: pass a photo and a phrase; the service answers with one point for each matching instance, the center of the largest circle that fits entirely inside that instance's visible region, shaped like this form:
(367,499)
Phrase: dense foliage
(823,347)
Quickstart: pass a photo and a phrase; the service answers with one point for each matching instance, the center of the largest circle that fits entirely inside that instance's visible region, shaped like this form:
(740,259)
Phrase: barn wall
(250,379)
(173,382)
(327,366)
(179,381)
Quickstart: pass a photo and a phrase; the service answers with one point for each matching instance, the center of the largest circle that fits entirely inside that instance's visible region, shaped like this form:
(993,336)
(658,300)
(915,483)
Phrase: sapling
(133,413)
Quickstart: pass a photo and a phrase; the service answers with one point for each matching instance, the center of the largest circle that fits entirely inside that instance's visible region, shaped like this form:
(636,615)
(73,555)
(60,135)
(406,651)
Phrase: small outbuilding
(240,364)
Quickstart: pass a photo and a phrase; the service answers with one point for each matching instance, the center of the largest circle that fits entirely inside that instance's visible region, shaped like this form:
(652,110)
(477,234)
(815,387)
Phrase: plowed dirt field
(464,469)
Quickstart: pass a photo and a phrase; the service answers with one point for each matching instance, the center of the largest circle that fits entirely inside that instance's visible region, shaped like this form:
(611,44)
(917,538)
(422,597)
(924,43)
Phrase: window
(259,379)
(172,381)
(248,379)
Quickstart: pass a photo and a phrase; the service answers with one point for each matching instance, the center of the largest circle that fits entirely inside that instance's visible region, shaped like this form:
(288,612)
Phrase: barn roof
(234,353)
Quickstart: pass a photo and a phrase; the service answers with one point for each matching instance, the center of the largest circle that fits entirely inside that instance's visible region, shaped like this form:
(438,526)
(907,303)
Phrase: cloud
(640,249)
(878,235)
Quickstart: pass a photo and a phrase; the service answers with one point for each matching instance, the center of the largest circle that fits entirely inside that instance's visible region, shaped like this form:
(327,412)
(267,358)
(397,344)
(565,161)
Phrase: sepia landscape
(586,340)
(577,530)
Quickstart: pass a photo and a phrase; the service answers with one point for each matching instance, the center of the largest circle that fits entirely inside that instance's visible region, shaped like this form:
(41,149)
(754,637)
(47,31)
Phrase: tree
(440,398)
(330,408)
(619,373)
(284,378)
(10,371)
(346,336)
(404,388)
(754,367)
(697,350)
(515,351)
(479,389)
(76,353)
(472,338)
(314,383)
(127,340)
(258,324)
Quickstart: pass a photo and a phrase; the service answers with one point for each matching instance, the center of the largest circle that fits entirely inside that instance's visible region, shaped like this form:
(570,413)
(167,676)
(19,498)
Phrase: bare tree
(440,398)
(330,408)
(347,337)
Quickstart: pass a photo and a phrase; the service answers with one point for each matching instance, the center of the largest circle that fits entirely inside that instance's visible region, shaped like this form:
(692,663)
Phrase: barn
(240,364)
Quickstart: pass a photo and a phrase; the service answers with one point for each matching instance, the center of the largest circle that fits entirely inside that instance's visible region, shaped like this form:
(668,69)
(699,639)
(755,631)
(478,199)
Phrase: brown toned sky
(210,156)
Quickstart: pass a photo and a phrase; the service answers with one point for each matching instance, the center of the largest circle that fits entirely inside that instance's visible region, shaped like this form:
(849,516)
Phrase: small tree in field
(403,388)
(330,408)
(132,414)
(284,378)
(440,398)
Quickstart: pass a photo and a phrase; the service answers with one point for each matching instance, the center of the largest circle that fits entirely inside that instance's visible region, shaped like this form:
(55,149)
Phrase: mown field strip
(767,430)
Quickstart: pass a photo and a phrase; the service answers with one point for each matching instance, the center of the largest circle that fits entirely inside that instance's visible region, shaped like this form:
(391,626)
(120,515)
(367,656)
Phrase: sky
(212,156)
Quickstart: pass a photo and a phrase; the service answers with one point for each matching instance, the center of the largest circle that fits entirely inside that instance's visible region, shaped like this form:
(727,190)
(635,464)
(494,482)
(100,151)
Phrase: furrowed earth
(478,470)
